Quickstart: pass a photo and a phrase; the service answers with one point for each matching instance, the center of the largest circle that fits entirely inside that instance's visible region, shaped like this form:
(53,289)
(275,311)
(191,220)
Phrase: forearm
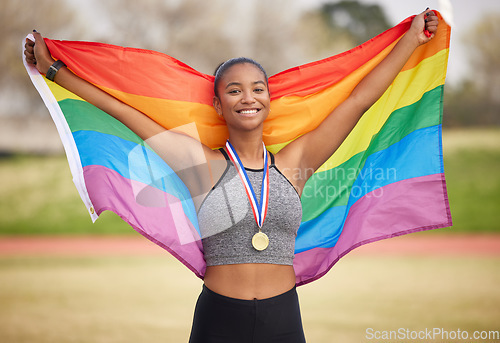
(321,143)
(370,89)
(129,116)
(66,79)
(373,85)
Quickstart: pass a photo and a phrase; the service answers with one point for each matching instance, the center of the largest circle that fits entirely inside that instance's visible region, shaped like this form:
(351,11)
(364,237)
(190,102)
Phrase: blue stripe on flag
(134,162)
(423,155)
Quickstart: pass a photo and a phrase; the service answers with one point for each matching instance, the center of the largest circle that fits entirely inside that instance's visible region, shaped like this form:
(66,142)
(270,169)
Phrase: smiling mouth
(249,112)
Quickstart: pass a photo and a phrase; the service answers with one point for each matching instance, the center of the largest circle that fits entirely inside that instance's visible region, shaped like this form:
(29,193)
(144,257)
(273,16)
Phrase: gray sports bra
(227,222)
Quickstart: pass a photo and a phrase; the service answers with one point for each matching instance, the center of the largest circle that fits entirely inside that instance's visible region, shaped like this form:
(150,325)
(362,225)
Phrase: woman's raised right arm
(183,154)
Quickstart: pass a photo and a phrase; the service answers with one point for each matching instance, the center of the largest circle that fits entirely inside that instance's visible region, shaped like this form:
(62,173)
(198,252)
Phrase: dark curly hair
(224,66)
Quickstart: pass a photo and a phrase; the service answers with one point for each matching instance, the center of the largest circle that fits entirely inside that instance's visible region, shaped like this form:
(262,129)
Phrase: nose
(247,98)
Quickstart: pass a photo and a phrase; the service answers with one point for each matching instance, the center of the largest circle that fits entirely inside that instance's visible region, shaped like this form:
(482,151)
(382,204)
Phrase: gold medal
(260,241)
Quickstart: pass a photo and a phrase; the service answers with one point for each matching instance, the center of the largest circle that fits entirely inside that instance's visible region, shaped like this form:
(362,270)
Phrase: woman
(249,285)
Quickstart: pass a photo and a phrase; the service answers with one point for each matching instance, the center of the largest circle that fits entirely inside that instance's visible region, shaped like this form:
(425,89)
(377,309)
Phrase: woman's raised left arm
(311,150)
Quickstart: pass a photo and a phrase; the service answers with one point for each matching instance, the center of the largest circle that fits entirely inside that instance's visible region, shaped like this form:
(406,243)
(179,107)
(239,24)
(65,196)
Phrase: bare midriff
(250,281)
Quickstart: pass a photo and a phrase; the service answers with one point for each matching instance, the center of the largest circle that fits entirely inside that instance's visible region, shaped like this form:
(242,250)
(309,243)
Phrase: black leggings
(219,319)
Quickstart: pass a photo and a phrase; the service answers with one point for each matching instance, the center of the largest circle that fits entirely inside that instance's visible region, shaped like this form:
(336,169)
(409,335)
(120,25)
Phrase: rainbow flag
(386,179)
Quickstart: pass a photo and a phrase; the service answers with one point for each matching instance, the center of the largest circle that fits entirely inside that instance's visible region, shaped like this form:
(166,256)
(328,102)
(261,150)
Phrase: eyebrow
(239,84)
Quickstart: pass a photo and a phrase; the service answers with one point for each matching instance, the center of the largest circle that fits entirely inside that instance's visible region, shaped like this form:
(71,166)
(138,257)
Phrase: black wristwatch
(53,69)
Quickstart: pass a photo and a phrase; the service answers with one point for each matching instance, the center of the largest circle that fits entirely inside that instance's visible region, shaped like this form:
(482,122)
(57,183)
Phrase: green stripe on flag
(424,113)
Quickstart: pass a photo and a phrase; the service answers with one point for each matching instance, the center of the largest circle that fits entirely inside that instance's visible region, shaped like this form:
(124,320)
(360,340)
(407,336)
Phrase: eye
(259,90)
(233,91)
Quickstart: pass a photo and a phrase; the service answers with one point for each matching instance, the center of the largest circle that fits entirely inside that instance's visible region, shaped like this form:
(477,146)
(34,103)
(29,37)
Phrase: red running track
(426,244)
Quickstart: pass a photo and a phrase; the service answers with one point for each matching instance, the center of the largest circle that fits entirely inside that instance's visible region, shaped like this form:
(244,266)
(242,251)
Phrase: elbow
(360,103)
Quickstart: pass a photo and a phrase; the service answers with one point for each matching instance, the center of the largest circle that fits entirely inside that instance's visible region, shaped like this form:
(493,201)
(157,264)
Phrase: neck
(249,149)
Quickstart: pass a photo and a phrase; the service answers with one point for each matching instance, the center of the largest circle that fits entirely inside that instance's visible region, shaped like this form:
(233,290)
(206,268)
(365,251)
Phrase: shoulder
(215,154)
(289,164)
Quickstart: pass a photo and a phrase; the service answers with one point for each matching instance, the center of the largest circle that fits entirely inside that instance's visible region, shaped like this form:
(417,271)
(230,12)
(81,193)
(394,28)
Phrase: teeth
(248,111)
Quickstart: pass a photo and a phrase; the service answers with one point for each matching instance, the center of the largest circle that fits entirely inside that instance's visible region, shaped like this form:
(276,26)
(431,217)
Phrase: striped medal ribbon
(260,241)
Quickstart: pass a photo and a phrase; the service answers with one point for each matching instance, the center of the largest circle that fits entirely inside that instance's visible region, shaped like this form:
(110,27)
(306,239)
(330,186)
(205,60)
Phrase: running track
(426,244)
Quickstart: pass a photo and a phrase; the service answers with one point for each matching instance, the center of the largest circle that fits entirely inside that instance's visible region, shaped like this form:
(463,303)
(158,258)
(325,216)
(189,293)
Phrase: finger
(433,21)
(427,15)
(424,13)
(37,36)
(28,46)
(432,30)
(432,25)
(29,42)
(29,57)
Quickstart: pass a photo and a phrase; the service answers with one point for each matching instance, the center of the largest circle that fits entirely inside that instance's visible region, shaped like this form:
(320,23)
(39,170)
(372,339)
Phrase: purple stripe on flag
(159,214)
(419,203)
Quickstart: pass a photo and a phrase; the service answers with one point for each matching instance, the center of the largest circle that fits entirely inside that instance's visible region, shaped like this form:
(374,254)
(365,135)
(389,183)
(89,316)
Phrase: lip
(248,112)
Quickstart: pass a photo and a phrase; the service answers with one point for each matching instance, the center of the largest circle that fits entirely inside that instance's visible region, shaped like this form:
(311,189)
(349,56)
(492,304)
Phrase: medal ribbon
(259,208)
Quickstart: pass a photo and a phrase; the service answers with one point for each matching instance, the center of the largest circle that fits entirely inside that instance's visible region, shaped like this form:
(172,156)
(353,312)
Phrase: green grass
(37,195)
(151,299)
(473,180)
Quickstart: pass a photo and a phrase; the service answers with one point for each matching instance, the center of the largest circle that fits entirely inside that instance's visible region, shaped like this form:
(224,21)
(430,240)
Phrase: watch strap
(53,69)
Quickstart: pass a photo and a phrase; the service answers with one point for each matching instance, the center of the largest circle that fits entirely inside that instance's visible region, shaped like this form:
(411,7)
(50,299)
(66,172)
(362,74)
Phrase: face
(243,97)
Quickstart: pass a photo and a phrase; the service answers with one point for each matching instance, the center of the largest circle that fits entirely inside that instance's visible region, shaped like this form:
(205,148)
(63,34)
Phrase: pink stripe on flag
(420,203)
(153,213)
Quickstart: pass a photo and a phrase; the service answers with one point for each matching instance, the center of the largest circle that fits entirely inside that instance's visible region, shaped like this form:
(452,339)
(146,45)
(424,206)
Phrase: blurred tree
(205,33)
(188,30)
(273,36)
(17,19)
(476,100)
(484,43)
(466,105)
(359,21)
(317,40)
(339,26)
